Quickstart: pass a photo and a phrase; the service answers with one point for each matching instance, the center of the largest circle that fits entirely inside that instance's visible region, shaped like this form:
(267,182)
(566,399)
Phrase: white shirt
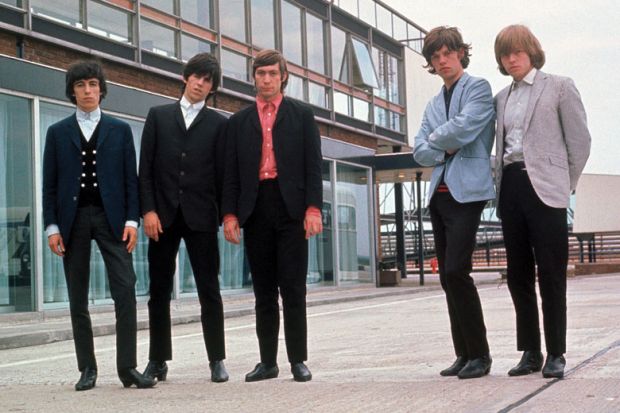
(190,111)
(514,117)
(88,121)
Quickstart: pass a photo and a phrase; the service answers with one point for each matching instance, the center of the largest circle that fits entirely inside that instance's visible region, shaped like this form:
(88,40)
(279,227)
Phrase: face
(87,94)
(517,63)
(269,81)
(197,88)
(447,64)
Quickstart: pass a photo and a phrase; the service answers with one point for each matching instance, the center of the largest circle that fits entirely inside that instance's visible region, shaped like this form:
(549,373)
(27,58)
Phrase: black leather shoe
(263,371)
(132,376)
(454,369)
(87,379)
(475,368)
(531,361)
(156,370)
(300,372)
(218,371)
(554,367)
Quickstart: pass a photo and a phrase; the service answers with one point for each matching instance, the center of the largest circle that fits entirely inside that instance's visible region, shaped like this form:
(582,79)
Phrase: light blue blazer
(469,128)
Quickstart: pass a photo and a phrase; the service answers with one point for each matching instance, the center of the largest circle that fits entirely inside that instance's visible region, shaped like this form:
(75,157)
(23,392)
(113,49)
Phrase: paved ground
(370,350)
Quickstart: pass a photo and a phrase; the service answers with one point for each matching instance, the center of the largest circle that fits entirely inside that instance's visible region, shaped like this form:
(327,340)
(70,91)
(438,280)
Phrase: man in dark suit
(273,189)
(180,175)
(90,191)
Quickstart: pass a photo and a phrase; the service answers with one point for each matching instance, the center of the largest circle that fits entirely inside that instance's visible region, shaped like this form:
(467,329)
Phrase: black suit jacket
(182,168)
(116,174)
(297,148)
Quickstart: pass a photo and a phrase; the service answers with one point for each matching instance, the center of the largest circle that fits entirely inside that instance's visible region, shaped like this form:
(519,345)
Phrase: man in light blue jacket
(456,138)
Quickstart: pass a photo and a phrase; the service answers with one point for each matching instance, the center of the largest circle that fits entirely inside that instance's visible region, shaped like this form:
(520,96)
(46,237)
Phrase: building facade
(354,62)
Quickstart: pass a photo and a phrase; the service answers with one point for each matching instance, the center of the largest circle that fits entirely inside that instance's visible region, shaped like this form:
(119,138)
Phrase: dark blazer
(116,174)
(297,148)
(182,168)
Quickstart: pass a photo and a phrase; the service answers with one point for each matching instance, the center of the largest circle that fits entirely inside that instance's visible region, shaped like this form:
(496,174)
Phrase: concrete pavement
(375,350)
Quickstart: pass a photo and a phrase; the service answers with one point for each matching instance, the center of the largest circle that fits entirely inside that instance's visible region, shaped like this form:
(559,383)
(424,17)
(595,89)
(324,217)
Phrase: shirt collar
(527,79)
(260,103)
(187,105)
(94,116)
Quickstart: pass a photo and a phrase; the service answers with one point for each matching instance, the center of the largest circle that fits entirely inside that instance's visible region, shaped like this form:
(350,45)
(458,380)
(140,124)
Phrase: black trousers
(535,235)
(91,223)
(454,227)
(203,252)
(278,256)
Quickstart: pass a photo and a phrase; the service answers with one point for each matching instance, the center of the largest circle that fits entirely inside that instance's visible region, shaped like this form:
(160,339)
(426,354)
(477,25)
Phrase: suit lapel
(199,117)
(73,131)
(455,100)
(178,115)
(540,81)
(502,98)
(104,130)
(255,120)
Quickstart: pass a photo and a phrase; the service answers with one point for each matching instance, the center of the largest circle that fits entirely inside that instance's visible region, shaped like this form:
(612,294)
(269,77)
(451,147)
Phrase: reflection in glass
(395,121)
(16,205)
(320,247)
(199,12)
(16,3)
(393,80)
(315,43)
(232,19)
(354,239)
(109,22)
(364,74)
(191,46)
(62,11)
(342,103)
(234,65)
(318,95)
(361,109)
(163,5)
(295,87)
(340,68)
(291,33)
(381,117)
(157,39)
(378,57)
(263,26)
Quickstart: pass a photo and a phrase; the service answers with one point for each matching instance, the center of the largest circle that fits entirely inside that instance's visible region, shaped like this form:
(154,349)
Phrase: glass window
(315,43)
(199,12)
(235,65)
(384,20)
(400,28)
(191,45)
(361,109)
(367,12)
(295,87)
(16,205)
(342,103)
(349,5)
(291,33)
(232,19)
(157,39)
(163,5)
(393,80)
(395,121)
(364,74)
(318,95)
(378,57)
(263,25)
(353,223)
(109,22)
(62,11)
(16,3)
(321,247)
(340,67)
(381,117)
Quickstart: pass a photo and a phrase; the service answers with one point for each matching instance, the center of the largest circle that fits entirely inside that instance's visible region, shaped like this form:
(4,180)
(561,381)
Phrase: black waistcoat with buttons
(89,185)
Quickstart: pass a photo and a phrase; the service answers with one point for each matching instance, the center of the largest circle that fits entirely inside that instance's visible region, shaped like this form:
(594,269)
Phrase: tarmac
(371,350)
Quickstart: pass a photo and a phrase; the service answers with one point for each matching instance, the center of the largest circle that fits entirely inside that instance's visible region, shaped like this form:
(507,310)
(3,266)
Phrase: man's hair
(270,57)
(204,64)
(83,70)
(518,37)
(444,36)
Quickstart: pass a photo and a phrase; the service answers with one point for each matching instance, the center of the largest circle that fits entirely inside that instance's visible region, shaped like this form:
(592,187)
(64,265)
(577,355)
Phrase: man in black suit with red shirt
(180,182)
(273,189)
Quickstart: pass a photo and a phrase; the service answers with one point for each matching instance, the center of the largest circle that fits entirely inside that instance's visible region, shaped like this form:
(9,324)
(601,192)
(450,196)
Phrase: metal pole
(401,257)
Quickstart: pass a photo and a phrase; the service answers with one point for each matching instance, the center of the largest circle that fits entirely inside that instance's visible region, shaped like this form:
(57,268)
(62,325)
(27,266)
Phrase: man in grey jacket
(543,144)
(456,137)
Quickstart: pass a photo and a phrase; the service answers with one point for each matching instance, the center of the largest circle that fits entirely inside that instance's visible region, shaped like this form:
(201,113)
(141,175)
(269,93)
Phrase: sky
(581,40)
